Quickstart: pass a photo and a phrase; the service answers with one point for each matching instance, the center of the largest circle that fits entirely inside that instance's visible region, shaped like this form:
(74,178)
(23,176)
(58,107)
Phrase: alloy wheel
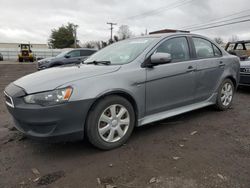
(226,94)
(113,123)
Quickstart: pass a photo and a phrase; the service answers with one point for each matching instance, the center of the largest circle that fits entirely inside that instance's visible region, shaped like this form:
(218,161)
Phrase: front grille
(245,70)
(8,100)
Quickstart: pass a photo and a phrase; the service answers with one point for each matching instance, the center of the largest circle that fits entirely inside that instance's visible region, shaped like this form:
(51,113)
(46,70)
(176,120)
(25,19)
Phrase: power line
(212,23)
(159,10)
(230,15)
(215,26)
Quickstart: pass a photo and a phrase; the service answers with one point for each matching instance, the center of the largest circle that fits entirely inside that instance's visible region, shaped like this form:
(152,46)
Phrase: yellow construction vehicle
(25,53)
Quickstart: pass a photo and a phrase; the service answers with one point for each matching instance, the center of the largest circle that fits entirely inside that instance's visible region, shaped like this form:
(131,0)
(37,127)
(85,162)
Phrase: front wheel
(225,95)
(110,122)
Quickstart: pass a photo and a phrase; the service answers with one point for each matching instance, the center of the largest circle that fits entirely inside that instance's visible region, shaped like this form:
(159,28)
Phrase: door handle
(221,64)
(190,69)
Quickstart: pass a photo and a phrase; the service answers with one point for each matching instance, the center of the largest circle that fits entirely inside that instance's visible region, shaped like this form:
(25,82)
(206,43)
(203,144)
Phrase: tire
(115,133)
(225,95)
(20,59)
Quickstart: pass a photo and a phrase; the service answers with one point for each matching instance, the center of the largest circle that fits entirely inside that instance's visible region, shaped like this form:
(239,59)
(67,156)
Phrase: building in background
(15,46)
(10,51)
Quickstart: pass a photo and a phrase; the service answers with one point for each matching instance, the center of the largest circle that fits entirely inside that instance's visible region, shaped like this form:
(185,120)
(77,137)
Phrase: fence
(12,54)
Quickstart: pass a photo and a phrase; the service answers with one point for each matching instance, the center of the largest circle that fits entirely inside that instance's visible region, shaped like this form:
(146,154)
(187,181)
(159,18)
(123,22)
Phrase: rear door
(210,66)
(171,85)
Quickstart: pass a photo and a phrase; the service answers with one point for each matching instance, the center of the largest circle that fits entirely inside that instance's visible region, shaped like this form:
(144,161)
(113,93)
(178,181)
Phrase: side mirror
(160,58)
(67,56)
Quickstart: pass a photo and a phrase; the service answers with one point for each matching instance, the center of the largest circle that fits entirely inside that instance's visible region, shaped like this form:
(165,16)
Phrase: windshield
(121,52)
(62,54)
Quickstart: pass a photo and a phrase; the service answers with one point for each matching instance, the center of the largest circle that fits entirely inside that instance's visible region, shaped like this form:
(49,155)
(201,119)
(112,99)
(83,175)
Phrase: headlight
(50,98)
(43,61)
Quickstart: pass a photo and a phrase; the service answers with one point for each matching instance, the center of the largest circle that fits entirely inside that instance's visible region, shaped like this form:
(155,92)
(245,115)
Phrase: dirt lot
(200,149)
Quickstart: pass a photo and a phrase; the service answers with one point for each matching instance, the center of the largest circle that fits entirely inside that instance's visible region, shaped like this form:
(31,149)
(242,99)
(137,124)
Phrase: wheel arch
(121,93)
(233,80)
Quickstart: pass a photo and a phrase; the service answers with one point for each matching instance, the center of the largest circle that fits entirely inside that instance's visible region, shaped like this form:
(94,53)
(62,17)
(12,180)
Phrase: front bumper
(63,122)
(244,79)
(41,66)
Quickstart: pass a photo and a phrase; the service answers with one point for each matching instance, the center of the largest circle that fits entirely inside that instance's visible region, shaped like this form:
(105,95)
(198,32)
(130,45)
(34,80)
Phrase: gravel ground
(200,149)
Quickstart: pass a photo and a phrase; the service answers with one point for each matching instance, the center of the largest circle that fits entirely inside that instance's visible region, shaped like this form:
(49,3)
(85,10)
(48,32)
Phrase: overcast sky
(32,20)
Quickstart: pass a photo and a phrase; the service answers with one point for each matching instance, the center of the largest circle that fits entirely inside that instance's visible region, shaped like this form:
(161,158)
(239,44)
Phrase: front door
(171,85)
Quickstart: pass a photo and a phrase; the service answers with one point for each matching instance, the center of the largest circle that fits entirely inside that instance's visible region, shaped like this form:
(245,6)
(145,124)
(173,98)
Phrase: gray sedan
(130,83)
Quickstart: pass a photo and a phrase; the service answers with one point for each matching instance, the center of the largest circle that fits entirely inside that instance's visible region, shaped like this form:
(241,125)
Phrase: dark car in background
(242,50)
(1,57)
(75,56)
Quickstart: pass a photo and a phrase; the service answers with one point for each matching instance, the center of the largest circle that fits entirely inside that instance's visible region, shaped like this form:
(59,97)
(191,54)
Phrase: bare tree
(93,44)
(234,38)
(124,32)
(219,40)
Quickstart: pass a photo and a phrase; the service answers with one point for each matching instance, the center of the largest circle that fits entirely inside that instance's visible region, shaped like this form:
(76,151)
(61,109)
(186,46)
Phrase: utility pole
(75,35)
(111,30)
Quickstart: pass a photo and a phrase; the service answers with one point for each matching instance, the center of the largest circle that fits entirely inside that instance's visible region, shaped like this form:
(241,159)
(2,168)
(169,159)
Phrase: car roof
(91,49)
(163,35)
(241,41)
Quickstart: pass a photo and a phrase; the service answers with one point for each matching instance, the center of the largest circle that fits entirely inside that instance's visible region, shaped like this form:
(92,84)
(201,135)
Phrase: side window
(87,52)
(217,51)
(230,47)
(75,53)
(247,46)
(239,47)
(203,48)
(177,47)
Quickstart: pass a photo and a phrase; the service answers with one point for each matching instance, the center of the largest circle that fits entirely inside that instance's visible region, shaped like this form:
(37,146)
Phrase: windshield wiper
(98,62)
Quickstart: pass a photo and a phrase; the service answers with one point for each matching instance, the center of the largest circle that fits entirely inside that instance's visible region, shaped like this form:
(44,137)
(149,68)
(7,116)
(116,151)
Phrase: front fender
(116,82)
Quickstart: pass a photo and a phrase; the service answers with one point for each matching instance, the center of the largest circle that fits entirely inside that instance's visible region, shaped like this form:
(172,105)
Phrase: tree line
(63,37)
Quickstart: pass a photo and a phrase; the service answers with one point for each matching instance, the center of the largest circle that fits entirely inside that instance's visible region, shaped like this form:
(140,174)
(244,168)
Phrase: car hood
(245,63)
(52,78)
(46,59)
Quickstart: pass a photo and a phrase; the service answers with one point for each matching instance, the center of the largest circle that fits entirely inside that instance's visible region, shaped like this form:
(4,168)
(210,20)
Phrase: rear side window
(87,52)
(203,48)
(217,51)
(75,53)
(177,47)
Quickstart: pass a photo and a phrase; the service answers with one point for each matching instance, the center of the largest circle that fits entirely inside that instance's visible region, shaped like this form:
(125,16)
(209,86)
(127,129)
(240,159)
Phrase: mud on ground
(200,149)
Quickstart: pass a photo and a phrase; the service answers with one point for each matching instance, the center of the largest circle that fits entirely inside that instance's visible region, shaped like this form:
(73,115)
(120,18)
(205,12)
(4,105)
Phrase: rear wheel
(110,122)
(225,95)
